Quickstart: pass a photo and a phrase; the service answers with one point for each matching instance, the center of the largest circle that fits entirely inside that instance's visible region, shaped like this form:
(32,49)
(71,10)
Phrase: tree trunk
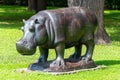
(41,5)
(37,5)
(31,5)
(97,6)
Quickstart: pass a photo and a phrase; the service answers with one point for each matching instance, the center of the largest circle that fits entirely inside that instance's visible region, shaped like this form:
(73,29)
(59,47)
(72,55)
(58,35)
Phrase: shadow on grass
(14,13)
(11,16)
(112,23)
(108,62)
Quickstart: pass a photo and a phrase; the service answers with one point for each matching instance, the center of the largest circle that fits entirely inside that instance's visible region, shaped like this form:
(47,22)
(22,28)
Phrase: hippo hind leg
(89,50)
(76,55)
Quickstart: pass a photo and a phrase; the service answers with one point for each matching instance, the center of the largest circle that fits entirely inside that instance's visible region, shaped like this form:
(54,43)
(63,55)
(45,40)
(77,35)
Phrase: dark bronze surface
(59,29)
(70,66)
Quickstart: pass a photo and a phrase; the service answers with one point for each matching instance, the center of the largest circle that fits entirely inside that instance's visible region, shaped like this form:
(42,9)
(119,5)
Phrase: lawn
(10,60)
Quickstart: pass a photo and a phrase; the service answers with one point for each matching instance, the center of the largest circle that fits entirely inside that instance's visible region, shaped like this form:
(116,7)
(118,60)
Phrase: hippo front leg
(89,51)
(42,59)
(59,61)
(43,55)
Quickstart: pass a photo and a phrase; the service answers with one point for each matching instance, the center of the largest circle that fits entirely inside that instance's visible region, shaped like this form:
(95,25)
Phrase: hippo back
(69,25)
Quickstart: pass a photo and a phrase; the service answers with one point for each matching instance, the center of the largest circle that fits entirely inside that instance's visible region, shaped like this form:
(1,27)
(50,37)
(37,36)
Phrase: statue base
(70,66)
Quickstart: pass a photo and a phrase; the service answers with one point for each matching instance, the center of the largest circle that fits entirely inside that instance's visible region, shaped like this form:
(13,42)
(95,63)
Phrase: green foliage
(10,60)
(57,3)
(112,4)
(11,2)
(109,4)
(14,2)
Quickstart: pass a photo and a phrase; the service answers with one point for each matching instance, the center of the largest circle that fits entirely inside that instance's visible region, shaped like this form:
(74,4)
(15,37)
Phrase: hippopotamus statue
(59,29)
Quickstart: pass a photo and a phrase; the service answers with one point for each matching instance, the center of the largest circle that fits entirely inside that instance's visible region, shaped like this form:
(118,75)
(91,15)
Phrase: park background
(11,14)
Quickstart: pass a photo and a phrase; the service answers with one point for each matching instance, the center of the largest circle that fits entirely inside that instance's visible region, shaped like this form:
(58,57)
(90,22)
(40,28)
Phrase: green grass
(10,60)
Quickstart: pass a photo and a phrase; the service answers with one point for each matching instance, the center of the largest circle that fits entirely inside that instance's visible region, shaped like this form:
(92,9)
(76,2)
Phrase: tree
(37,5)
(97,6)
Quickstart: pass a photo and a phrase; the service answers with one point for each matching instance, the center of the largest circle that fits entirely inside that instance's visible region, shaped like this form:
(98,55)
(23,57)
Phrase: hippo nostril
(21,43)
(27,46)
(24,42)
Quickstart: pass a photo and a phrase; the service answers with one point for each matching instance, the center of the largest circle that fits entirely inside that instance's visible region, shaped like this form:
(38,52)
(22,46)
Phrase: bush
(22,2)
(112,4)
(9,2)
(60,3)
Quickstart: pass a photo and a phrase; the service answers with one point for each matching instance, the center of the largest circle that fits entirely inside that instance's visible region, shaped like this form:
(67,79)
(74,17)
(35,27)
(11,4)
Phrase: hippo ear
(24,20)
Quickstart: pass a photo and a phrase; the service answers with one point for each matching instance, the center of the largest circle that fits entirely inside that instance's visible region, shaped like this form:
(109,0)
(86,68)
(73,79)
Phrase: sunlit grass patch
(10,59)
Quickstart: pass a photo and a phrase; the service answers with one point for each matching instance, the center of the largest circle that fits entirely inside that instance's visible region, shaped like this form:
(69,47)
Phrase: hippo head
(34,33)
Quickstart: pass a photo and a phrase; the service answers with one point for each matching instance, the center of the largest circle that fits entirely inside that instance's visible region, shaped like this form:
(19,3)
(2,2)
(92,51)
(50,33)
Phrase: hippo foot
(35,66)
(85,58)
(40,61)
(58,63)
(73,58)
(37,61)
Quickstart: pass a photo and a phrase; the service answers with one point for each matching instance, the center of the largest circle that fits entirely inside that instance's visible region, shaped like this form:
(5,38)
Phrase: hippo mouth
(24,49)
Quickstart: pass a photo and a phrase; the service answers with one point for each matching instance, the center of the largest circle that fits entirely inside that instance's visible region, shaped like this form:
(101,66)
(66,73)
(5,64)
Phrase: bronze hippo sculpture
(59,29)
